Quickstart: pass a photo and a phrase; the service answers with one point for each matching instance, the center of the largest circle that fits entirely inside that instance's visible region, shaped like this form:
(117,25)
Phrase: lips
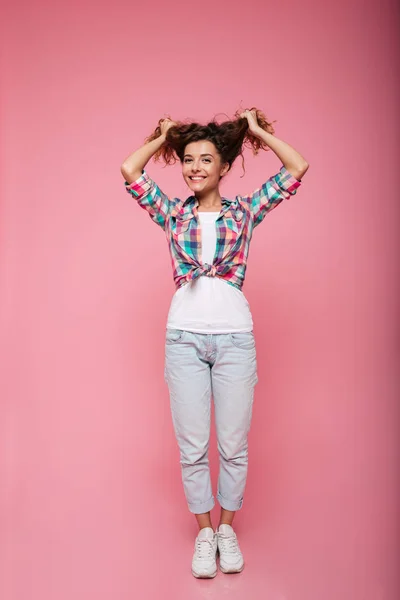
(196,178)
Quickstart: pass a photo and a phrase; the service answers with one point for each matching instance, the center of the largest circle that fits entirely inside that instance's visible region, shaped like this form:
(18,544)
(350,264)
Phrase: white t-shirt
(209,304)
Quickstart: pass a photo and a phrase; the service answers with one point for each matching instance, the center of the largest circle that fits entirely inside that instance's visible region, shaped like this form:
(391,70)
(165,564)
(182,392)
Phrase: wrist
(259,131)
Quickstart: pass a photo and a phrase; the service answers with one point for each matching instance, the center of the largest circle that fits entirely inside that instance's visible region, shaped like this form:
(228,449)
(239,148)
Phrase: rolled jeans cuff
(203,507)
(229,504)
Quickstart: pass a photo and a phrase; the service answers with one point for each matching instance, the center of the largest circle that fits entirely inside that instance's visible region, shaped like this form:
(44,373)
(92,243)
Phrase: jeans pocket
(173,336)
(244,340)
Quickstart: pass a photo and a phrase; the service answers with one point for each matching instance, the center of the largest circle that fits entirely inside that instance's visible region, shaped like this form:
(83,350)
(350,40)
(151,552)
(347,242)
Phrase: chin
(195,187)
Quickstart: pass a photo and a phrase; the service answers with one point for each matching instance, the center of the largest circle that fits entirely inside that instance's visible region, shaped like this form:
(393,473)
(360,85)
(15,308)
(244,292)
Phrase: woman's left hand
(251,116)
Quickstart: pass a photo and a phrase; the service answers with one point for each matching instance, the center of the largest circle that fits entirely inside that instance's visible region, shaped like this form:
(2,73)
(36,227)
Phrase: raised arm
(292,160)
(284,184)
(139,184)
(133,166)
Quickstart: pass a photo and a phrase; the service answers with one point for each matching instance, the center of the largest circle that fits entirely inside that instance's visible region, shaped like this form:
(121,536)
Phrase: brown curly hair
(229,138)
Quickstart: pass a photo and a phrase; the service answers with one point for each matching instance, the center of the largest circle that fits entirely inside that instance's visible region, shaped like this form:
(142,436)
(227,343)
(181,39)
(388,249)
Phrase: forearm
(291,159)
(132,166)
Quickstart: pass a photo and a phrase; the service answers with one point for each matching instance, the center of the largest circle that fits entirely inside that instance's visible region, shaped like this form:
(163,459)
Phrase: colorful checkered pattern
(235,225)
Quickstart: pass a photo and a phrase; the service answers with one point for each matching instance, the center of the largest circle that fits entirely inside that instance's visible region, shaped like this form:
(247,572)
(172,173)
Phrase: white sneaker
(230,556)
(205,551)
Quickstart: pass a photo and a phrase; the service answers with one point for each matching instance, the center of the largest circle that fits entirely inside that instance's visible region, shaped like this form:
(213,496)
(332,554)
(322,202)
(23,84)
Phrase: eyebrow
(208,154)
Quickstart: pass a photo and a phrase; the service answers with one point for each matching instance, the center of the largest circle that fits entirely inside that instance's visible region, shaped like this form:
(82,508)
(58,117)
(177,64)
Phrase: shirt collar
(188,209)
(192,200)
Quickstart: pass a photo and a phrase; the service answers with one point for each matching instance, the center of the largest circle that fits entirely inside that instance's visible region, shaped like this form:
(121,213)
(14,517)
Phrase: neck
(211,199)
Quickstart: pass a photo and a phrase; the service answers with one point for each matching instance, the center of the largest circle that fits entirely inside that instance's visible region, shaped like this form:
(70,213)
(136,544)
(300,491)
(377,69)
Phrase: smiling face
(202,166)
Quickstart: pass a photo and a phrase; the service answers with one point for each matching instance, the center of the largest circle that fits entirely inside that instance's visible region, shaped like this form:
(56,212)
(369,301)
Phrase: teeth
(197,178)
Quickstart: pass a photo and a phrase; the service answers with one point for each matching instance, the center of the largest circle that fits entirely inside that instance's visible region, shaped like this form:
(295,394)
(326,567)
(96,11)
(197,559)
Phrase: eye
(207,160)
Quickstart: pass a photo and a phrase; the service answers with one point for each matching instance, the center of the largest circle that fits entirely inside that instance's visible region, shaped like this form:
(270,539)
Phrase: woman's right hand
(133,166)
(166,124)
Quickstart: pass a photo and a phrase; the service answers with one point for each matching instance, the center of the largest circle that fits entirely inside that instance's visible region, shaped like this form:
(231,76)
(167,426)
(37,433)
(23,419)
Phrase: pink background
(92,503)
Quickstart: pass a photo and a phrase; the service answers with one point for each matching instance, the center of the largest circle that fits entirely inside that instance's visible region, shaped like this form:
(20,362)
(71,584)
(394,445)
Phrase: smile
(196,178)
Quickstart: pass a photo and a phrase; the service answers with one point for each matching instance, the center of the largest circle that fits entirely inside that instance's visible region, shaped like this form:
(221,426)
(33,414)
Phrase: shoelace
(204,548)
(228,544)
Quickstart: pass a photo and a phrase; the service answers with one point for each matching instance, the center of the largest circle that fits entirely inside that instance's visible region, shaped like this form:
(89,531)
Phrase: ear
(224,169)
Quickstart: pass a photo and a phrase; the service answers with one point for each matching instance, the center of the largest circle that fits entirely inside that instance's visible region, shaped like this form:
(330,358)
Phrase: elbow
(129,173)
(124,170)
(300,170)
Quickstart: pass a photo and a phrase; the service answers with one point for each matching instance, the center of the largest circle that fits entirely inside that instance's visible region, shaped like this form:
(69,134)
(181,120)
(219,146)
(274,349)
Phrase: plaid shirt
(235,224)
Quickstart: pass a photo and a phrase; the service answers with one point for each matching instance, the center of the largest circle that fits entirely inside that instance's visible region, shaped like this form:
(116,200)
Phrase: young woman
(210,347)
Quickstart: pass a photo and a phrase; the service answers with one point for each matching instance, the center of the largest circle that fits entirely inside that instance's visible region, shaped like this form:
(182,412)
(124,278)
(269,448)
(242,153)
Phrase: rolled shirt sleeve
(279,187)
(150,197)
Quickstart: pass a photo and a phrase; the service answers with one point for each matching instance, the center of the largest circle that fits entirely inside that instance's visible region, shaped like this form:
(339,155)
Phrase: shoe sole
(211,576)
(231,570)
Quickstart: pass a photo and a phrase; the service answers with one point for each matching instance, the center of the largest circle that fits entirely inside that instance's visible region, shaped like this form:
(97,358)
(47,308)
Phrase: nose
(196,166)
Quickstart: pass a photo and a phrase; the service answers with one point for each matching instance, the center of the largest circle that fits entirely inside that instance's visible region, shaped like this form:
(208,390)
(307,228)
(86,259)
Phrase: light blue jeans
(224,366)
